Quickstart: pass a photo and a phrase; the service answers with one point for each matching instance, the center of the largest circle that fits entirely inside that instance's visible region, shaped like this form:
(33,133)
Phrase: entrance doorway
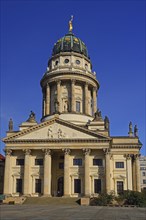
(60,187)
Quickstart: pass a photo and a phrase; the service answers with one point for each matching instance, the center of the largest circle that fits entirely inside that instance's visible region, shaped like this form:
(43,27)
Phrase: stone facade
(70,152)
(142,161)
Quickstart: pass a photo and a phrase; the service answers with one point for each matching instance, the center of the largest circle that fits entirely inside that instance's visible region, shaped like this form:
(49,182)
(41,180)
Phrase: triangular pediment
(55,129)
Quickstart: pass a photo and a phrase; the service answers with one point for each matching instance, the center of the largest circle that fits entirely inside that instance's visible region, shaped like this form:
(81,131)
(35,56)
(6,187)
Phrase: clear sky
(114,32)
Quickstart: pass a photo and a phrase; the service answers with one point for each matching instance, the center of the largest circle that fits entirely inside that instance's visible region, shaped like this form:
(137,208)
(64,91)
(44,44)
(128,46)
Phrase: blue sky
(114,32)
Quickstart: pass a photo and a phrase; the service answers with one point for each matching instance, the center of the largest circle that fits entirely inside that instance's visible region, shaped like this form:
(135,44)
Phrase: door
(60,187)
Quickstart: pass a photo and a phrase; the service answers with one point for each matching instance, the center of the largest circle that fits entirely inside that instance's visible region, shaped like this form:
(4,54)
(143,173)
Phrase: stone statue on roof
(70,24)
(11,125)
(31,117)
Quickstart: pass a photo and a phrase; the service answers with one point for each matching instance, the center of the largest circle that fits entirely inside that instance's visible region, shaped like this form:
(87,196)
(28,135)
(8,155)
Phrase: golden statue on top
(70,24)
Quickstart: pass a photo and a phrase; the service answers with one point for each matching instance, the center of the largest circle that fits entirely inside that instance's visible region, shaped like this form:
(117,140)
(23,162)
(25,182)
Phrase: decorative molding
(8,152)
(47,151)
(61,140)
(27,151)
(86,151)
(66,151)
(106,151)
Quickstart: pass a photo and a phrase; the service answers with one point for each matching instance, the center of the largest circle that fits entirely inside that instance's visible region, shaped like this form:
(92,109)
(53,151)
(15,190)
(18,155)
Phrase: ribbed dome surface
(70,43)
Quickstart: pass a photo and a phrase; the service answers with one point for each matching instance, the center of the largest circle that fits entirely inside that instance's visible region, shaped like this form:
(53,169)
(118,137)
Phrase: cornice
(58,141)
(63,73)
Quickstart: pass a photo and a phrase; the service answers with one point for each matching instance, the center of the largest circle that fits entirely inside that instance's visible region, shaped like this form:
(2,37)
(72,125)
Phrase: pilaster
(137,169)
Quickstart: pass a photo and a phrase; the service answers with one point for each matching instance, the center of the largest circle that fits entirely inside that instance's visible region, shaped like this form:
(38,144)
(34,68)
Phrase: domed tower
(69,86)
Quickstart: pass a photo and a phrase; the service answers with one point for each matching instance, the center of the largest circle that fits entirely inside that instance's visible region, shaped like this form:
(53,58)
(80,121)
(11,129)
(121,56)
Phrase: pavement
(70,212)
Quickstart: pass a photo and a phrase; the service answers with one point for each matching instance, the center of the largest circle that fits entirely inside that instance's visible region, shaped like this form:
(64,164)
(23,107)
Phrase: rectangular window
(39,162)
(97,162)
(77,186)
(20,162)
(38,185)
(143,173)
(97,186)
(144,181)
(19,185)
(78,106)
(120,187)
(77,162)
(119,164)
(61,165)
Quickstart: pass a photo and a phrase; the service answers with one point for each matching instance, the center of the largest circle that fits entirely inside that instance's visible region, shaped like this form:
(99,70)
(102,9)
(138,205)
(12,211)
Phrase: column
(43,106)
(26,190)
(94,100)
(66,172)
(87,176)
(47,101)
(137,169)
(47,172)
(129,172)
(73,106)
(107,169)
(7,173)
(133,173)
(86,98)
(59,95)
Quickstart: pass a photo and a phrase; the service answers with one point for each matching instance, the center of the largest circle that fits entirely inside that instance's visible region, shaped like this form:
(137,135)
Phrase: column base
(66,196)
(46,195)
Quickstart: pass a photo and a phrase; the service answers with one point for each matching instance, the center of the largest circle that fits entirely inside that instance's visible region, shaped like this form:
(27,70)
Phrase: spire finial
(70,24)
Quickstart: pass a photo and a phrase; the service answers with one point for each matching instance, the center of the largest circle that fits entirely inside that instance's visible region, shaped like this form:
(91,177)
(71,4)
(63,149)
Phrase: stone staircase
(14,200)
(52,201)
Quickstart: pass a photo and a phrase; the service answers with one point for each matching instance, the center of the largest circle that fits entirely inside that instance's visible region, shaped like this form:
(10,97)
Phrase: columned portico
(66,172)
(7,174)
(47,172)
(27,166)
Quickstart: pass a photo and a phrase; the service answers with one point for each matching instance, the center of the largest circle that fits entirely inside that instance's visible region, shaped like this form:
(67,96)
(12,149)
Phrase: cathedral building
(70,152)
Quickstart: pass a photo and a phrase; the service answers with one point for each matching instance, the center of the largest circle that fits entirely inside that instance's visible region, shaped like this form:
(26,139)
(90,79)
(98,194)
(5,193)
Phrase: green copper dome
(70,43)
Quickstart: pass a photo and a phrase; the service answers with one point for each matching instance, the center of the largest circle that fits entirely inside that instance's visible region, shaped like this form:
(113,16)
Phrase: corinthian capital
(27,151)
(66,151)
(47,151)
(86,151)
(106,151)
(8,152)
